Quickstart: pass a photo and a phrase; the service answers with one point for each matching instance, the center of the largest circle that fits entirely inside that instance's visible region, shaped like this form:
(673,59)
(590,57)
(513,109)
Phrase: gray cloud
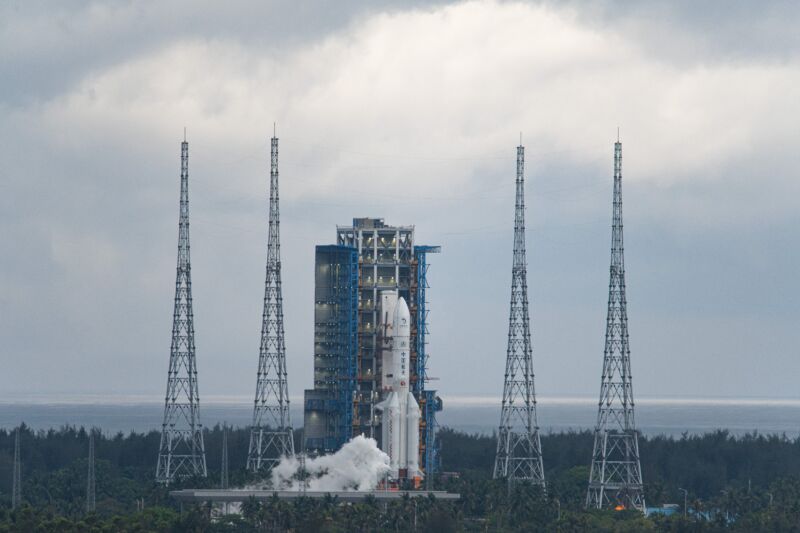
(411,114)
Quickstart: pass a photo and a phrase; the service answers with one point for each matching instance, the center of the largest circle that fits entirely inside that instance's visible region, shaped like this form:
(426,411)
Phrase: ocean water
(654,416)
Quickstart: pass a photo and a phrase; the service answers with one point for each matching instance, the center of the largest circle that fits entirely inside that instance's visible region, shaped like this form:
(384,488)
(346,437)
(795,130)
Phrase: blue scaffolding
(336,347)
(348,308)
(430,403)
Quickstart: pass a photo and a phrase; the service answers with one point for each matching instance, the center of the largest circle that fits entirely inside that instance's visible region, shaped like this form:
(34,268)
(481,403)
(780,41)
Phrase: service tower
(358,283)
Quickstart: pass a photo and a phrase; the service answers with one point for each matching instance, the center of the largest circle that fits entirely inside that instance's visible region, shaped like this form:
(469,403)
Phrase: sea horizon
(656,415)
(454,400)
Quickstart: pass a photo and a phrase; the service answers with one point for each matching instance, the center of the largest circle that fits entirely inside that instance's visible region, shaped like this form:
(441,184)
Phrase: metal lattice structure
(91,500)
(615,480)
(329,410)
(385,256)
(182,453)
(271,433)
(223,477)
(428,401)
(519,449)
(16,484)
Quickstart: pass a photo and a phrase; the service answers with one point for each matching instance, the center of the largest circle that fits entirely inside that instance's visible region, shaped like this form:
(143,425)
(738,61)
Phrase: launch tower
(615,480)
(369,259)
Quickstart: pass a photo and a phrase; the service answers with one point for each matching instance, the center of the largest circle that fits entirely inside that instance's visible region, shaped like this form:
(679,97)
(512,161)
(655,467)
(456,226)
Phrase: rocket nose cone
(401,312)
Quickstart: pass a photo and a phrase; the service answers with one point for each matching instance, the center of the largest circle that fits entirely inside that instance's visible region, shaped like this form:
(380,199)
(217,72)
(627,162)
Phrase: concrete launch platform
(243,495)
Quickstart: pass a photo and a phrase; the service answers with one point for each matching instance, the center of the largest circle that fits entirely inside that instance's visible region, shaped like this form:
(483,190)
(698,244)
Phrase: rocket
(401,414)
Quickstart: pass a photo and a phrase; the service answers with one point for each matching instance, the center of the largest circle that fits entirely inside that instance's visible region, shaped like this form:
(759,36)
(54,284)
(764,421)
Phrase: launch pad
(243,495)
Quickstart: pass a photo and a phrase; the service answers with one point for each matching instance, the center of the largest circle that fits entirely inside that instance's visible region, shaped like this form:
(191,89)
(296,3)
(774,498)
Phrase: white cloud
(448,82)
(412,115)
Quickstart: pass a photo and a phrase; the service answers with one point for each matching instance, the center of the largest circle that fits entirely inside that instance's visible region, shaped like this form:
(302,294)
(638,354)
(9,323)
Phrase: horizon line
(478,401)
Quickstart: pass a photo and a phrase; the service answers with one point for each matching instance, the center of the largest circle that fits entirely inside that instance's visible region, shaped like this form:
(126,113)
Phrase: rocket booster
(401,412)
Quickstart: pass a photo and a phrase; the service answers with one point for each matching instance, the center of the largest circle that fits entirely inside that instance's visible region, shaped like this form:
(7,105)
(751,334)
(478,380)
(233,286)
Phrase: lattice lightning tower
(615,479)
(271,433)
(16,483)
(90,477)
(223,477)
(519,450)
(182,453)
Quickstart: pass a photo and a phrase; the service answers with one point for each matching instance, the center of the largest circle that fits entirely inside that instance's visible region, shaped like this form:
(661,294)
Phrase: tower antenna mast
(182,453)
(91,499)
(271,435)
(223,478)
(615,479)
(519,449)
(16,488)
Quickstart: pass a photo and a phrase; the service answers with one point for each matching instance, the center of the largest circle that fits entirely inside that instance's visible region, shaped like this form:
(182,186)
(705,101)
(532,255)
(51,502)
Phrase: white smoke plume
(359,465)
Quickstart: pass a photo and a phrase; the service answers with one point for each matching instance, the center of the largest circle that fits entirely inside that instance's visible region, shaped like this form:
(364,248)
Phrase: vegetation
(733,484)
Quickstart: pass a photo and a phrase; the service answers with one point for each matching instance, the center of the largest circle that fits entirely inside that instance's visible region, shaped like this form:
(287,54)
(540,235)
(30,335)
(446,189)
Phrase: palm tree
(251,509)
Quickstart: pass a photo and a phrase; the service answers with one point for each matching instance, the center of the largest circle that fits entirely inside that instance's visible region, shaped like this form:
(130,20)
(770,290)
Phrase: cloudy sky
(411,113)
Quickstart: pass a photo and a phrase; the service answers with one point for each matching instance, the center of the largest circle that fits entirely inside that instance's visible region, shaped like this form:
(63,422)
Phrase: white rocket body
(400,409)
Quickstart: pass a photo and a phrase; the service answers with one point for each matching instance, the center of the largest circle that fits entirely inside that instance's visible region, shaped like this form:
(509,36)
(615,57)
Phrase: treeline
(734,484)
(54,467)
(702,464)
(487,506)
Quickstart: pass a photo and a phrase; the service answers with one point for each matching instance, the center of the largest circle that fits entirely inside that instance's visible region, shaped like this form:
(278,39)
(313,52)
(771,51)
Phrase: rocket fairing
(401,414)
